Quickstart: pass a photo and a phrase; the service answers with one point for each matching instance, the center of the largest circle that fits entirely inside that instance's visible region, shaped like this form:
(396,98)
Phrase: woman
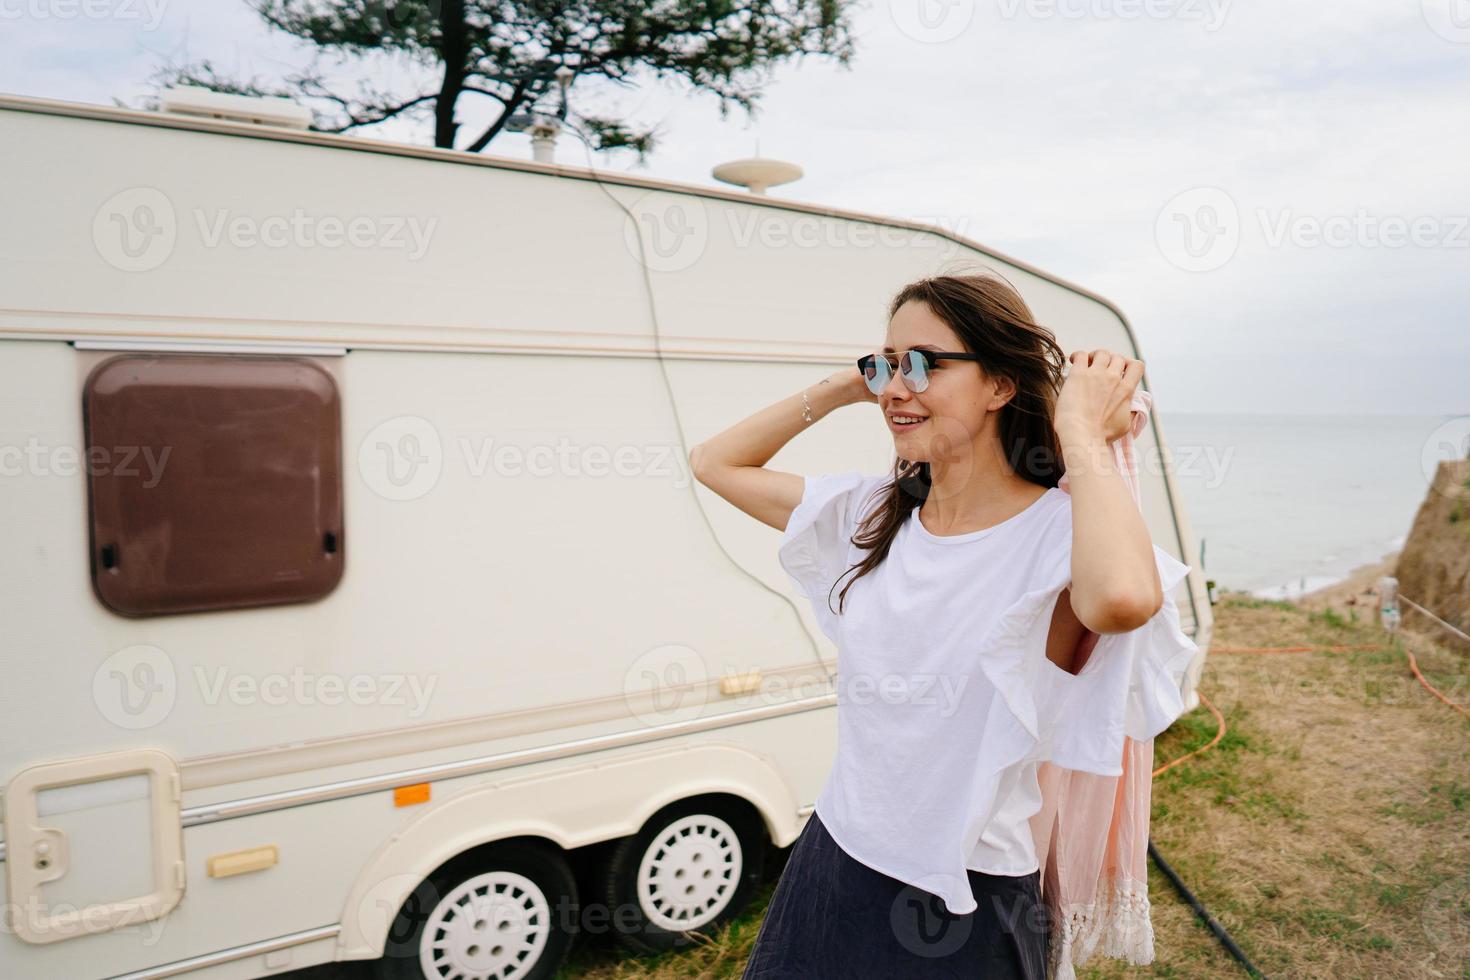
(968,580)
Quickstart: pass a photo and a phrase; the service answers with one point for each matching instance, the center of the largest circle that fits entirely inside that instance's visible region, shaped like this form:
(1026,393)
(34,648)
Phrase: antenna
(757,173)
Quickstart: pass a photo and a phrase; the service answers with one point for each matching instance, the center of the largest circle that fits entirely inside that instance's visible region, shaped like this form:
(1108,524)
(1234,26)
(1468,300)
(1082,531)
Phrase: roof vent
(757,173)
(192,100)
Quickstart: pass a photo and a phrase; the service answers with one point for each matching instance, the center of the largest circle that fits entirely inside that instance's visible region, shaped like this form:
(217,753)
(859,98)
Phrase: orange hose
(1309,649)
(1414,666)
(1218,735)
(1220,732)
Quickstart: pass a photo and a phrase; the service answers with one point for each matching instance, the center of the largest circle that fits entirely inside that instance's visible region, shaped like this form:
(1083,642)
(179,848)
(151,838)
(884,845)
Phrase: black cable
(828,672)
(1209,920)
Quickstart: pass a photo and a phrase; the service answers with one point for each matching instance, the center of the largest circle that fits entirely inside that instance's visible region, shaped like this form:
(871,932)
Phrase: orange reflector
(409,795)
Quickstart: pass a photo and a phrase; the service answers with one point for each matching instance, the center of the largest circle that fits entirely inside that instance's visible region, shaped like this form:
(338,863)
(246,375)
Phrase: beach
(1358,591)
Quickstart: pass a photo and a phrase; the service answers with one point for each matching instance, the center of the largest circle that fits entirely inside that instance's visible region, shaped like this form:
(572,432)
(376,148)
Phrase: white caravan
(357,598)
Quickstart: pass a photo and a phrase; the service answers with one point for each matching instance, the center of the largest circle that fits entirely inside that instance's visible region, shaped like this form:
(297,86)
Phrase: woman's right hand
(853,386)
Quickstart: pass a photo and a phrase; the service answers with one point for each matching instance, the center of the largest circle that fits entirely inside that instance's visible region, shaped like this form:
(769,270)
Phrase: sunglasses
(913,366)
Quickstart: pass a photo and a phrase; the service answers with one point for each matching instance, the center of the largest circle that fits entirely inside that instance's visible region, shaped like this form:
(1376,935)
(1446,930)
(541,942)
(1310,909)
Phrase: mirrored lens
(915,370)
(877,373)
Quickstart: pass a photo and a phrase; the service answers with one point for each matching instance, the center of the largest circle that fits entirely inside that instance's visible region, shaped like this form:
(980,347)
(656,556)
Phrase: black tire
(721,840)
(533,919)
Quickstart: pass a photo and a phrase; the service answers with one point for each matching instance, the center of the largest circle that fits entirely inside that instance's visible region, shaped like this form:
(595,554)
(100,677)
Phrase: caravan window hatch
(215,481)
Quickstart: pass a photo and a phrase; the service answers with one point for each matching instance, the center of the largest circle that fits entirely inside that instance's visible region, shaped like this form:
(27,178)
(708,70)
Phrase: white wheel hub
(493,926)
(689,872)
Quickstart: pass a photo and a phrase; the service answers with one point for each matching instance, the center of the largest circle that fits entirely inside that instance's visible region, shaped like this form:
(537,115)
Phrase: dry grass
(1329,831)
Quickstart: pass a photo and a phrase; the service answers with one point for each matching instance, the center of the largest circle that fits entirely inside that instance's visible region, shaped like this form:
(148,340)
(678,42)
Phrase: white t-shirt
(946,701)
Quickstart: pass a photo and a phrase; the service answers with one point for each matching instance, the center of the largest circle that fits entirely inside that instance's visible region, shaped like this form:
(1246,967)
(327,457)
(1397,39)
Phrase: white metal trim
(207,347)
(233,953)
(343,789)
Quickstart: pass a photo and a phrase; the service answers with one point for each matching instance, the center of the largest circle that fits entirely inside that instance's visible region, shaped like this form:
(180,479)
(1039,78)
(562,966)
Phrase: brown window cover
(214,480)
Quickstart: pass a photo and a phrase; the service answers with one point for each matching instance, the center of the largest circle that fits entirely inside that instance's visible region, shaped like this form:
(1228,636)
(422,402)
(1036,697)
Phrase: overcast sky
(1276,193)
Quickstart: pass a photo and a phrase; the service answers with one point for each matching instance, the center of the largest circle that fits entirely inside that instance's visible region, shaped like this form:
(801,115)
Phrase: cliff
(1434,565)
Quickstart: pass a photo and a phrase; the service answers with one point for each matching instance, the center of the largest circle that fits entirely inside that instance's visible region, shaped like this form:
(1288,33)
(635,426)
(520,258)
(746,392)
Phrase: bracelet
(806,411)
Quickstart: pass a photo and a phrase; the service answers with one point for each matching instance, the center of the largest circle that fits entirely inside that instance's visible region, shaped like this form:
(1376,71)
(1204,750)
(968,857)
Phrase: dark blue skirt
(834,918)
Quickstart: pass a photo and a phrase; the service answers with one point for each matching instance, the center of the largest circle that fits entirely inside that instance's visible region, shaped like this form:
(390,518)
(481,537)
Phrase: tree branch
(517,96)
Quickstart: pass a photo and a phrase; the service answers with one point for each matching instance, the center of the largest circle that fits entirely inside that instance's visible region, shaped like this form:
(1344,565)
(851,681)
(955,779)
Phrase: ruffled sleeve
(1131,685)
(815,546)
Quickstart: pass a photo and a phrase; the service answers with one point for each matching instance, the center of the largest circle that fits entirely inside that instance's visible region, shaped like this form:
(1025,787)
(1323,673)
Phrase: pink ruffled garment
(1092,830)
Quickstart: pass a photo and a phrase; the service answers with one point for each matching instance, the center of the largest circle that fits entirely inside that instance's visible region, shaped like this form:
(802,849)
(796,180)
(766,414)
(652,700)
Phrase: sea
(1283,505)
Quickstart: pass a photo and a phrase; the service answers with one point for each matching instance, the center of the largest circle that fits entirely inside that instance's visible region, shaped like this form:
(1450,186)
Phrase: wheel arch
(566,808)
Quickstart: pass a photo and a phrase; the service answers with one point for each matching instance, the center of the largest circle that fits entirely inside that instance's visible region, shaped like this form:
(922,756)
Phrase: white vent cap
(192,100)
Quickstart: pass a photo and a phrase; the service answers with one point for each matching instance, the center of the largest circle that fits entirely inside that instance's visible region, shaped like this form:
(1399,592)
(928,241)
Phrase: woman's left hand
(1097,393)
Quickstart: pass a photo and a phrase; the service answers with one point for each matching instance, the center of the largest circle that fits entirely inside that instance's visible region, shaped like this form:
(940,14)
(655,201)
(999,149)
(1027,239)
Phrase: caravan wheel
(499,913)
(691,868)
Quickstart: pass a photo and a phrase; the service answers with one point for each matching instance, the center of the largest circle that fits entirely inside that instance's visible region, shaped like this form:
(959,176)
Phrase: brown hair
(991,320)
